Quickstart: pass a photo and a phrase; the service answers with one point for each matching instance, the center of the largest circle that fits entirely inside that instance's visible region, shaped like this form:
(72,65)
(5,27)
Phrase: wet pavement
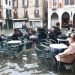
(27,64)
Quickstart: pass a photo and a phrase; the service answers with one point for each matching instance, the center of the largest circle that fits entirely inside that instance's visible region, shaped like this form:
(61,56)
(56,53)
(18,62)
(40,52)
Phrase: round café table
(57,48)
(14,42)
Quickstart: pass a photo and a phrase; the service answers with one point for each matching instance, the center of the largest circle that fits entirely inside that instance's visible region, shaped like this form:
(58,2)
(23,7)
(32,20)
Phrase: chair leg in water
(65,66)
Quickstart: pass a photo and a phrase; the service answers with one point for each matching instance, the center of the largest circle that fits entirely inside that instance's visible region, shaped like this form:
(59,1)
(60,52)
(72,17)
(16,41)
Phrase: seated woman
(68,55)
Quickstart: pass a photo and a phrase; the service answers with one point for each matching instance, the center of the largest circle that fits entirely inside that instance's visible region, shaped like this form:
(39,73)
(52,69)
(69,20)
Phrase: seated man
(17,33)
(57,29)
(52,34)
(68,55)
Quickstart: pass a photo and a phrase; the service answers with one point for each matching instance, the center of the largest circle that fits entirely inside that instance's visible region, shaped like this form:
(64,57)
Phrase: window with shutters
(0,3)
(15,3)
(15,14)
(36,13)
(69,2)
(36,3)
(25,13)
(25,3)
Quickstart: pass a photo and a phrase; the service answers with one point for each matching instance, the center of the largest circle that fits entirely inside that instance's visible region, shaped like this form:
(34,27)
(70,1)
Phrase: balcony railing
(15,17)
(54,7)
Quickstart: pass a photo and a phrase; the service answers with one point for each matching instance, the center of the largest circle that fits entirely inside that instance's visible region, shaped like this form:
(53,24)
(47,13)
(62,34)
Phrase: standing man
(24,27)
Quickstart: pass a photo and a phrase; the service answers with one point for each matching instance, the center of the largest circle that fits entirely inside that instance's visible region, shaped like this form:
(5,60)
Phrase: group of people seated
(67,56)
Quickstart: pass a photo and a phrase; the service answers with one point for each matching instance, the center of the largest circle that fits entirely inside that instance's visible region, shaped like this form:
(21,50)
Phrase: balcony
(15,17)
(54,8)
(25,16)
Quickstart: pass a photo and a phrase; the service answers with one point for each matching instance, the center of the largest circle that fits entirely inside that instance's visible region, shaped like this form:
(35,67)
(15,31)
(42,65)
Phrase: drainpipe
(71,19)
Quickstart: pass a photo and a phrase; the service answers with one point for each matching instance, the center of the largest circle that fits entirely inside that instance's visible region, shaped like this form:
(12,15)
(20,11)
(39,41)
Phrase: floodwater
(27,64)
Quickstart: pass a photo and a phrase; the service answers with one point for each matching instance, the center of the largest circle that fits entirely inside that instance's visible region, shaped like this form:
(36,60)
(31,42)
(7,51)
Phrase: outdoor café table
(14,43)
(33,37)
(57,48)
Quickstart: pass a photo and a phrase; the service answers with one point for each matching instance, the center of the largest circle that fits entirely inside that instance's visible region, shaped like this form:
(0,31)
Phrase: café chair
(28,45)
(41,47)
(15,50)
(66,65)
(40,54)
(48,54)
(43,52)
(45,44)
(20,47)
(51,41)
(3,48)
(42,40)
(20,50)
(21,38)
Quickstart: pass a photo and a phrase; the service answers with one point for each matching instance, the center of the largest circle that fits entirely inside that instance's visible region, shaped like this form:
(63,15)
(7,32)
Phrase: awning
(20,19)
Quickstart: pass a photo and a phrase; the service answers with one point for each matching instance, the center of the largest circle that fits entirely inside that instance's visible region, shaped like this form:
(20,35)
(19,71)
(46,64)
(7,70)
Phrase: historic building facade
(1,16)
(62,11)
(5,14)
(29,12)
(7,9)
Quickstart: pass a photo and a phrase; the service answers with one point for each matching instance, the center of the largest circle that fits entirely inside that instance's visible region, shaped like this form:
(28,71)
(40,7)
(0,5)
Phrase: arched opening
(65,18)
(74,21)
(54,19)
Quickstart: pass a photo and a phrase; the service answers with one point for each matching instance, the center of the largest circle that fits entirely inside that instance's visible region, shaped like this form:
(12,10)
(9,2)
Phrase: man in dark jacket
(57,29)
(52,34)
